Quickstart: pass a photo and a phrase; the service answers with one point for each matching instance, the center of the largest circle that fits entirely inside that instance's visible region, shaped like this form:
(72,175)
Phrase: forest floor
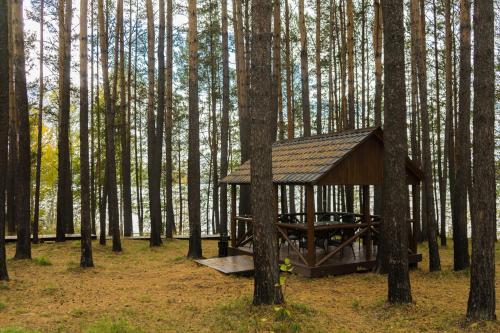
(159,290)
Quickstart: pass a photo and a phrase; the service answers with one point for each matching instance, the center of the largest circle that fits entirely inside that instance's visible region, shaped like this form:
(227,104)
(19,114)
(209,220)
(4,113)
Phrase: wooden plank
(233,215)
(230,265)
(311,247)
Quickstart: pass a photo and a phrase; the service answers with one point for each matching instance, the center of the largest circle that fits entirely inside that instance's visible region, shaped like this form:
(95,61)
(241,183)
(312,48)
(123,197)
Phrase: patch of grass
(355,304)
(50,289)
(2,306)
(16,330)
(42,261)
(112,326)
(77,313)
(4,286)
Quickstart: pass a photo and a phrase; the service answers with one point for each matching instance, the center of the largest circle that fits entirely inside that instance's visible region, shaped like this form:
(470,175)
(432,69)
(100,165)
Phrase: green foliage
(112,326)
(42,261)
(2,306)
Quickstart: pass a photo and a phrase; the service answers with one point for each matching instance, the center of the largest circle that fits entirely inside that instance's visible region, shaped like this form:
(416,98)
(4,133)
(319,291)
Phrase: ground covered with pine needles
(159,290)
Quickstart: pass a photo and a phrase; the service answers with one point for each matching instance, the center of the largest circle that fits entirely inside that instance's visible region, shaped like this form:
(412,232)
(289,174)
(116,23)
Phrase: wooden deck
(242,264)
(345,263)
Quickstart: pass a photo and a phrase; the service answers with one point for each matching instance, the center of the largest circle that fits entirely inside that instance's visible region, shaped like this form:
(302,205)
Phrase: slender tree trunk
(289,95)
(39,134)
(124,135)
(93,179)
(86,228)
(395,152)
(195,250)
(168,125)
(449,129)
(23,244)
(415,146)
(304,71)
(463,165)
(244,113)
(64,184)
(224,130)
(110,188)
(481,305)
(428,194)
(377,47)
(441,176)
(349,191)
(12,159)
(4,128)
(264,205)
(154,147)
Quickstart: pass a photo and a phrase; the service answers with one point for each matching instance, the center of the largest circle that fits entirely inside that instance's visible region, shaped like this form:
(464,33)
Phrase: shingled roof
(308,160)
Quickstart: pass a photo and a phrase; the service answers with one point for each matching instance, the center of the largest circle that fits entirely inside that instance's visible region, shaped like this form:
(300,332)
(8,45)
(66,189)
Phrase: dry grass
(158,290)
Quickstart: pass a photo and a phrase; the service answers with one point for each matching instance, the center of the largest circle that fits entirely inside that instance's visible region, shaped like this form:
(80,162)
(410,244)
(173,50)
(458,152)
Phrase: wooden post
(367,220)
(311,248)
(233,215)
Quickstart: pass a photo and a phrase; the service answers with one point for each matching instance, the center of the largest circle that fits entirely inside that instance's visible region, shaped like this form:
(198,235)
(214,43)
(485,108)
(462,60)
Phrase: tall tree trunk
(463,165)
(441,176)
(23,244)
(124,136)
(415,145)
(36,207)
(224,134)
(64,183)
(195,250)
(154,149)
(214,141)
(449,128)
(86,228)
(93,179)
(168,125)
(264,205)
(110,188)
(395,152)
(304,71)
(349,191)
(12,159)
(289,95)
(377,48)
(428,194)
(244,113)
(4,127)
(481,305)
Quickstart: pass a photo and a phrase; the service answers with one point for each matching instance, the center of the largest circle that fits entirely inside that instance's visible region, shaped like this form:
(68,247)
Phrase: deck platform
(352,260)
(239,264)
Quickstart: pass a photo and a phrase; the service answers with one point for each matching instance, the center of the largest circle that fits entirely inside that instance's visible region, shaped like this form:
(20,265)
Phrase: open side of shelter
(321,241)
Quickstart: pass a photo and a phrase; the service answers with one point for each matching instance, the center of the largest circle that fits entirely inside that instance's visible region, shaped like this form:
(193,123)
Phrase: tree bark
(124,135)
(23,244)
(168,125)
(36,207)
(4,128)
(481,305)
(264,205)
(86,228)
(428,194)
(395,152)
(463,155)
(195,250)
(64,183)
(110,188)
(224,130)
(304,71)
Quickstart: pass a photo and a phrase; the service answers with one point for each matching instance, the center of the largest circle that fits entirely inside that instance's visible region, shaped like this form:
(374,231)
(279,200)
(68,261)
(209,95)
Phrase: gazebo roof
(353,157)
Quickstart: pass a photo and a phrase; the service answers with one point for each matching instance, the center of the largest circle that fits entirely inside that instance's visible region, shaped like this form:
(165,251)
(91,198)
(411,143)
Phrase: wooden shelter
(322,242)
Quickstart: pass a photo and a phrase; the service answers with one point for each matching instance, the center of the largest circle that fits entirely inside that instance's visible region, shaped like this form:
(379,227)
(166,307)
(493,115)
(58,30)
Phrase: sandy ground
(159,290)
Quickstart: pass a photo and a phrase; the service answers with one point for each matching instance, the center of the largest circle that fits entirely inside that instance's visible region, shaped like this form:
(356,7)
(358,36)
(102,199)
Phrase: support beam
(311,249)
(233,215)
(367,219)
